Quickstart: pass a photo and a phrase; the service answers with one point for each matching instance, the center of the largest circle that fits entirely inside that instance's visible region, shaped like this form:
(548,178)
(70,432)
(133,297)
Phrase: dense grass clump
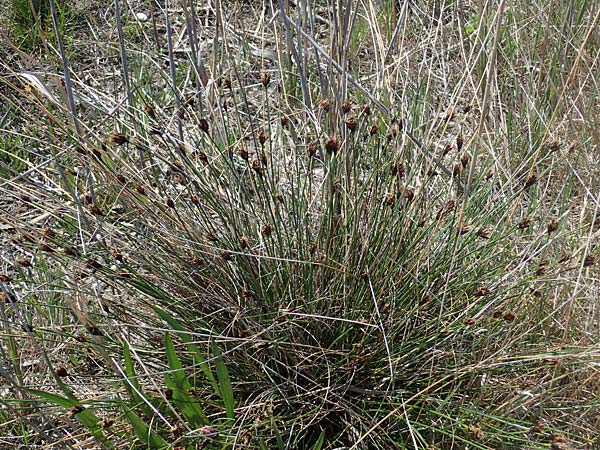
(246,240)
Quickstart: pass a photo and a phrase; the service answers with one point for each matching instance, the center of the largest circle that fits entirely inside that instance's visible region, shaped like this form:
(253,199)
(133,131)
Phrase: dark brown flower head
(464,229)
(390,199)
(227,83)
(176,431)
(554,146)
(93,264)
(449,206)
(256,166)
(170,203)
(425,298)
(313,147)
(331,145)
(392,134)
(22,261)
(541,270)
(117,138)
(116,253)
(447,149)
(373,130)
(325,104)
(459,142)
(589,260)
(178,178)
(524,223)
(509,316)
(71,251)
(337,185)
(202,156)
(408,194)
(481,292)
(469,321)
(94,330)
(267,230)
(61,372)
(565,257)
(456,169)
(194,199)
(140,189)
(243,153)
(539,426)
(399,170)
(168,393)
(150,111)
(265,78)
(530,180)
(121,178)
(95,210)
(76,409)
(189,100)
(226,256)
(46,248)
(285,120)
(449,116)
(484,233)
(203,125)
(107,422)
(196,261)
(352,123)
(47,233)
(489,175)
(464,160)
(279,197)
(209,432)
(552,225)
(346,107)
(244,242)
(572,147)
(262,137)
(97,153)
(367,110)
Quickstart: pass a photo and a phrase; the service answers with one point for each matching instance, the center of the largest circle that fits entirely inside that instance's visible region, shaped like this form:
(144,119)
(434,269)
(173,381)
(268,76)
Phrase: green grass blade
(86,416)
(149,438)
(131,384)
(225,387)
(320,441)
(192,348)
(188,405)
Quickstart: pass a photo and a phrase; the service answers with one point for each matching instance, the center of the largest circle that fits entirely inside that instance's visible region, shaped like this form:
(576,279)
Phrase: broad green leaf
(319,443)
(225,387)
(86,416)
(192,348)
(188,405)
(149,438)
(131,384)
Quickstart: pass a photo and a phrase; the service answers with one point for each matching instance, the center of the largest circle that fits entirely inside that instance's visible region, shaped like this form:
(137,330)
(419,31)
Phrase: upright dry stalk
(124,63)
(489,76)
(172,71)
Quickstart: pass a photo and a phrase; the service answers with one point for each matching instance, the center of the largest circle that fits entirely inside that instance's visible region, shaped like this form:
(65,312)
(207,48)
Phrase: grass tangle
(300,225)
